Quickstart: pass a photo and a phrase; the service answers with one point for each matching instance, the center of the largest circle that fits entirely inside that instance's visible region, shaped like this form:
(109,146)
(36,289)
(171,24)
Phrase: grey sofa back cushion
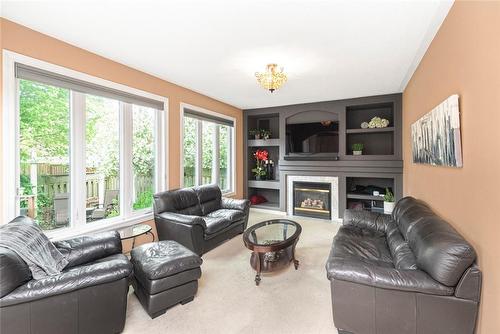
(439,249)
(408,212)
(402,255)
(210,198)
(88,248)
(13,271)
(183,201)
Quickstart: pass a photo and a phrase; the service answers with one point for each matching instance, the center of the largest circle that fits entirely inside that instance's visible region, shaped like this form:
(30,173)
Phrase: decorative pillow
(257,199)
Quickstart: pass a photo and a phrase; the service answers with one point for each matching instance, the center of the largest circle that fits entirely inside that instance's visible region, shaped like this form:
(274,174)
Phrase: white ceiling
(329,49)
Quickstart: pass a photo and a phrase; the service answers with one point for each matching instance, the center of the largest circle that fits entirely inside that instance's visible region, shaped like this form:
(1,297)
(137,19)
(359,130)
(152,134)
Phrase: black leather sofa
(89,296)
(411,272)
(199,218)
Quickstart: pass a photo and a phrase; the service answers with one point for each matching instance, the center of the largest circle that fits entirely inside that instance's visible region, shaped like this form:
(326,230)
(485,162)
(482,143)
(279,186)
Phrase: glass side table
(132,232)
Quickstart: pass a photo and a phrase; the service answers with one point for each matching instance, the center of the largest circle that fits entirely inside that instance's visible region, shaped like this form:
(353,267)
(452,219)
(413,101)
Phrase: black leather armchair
(199,218)
(411,272)
(89,296)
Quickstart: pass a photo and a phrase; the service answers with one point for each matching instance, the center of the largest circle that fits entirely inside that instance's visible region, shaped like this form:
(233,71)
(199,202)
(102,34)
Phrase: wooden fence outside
(54,179)
(206,177)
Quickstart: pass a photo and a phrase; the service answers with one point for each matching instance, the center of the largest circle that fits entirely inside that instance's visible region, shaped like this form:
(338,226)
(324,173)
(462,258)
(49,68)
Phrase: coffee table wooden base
(261,262)
(272,243)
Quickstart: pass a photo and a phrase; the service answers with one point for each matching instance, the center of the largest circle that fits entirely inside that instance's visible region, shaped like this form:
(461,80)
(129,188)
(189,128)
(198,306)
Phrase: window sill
(229,194)
(103,226)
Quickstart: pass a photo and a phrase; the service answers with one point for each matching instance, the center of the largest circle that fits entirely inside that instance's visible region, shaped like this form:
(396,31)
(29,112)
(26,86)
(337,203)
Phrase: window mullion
(216,155)
(126,152)
(199,154)
(230,160)
(77,160)
(159,169)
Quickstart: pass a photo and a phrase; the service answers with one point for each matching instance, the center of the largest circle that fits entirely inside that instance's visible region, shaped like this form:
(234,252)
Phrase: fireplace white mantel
(333,181)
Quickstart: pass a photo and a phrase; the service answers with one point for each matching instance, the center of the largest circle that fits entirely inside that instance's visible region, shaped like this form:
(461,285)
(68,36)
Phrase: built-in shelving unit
(263,142)
(376,141)
(264,184)
(360,192)
(267,188)
(364,197)
(369,131)
(380,166)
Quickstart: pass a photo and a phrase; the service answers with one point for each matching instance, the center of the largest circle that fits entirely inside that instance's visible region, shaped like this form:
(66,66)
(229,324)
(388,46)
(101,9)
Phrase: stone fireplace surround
(333,181)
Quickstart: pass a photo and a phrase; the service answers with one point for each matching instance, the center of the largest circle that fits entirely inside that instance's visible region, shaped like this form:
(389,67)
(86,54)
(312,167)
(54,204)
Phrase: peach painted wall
(23,40)
(464,59)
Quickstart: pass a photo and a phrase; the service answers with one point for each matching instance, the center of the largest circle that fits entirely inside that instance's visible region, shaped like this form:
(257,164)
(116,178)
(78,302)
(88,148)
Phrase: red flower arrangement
(260,156)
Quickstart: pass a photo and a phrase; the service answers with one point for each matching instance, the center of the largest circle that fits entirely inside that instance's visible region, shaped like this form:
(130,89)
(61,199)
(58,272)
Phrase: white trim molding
(10,160)
(232,147)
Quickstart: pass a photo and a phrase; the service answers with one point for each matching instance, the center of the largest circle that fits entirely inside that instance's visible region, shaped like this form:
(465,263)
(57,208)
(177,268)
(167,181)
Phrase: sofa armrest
(109,270)
(357,271)
(178,218)
(89,248)
(235,204)
(367,219)
(469,286)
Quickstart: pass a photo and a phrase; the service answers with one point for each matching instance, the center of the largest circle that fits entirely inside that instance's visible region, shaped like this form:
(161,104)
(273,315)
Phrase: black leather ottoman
(166,274)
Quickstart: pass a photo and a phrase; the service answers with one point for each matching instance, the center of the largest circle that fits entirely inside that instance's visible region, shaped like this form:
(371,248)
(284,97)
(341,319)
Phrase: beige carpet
(290,301)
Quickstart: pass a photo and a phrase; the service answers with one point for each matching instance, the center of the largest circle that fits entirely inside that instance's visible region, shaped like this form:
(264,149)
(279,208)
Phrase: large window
(86,153)
(208,149)
(44,153)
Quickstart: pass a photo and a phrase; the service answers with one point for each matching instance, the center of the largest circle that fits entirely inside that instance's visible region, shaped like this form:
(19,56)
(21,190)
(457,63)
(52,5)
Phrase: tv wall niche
(316,139)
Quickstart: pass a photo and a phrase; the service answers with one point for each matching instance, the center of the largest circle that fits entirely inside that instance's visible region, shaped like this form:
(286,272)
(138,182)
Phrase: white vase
(388,207)
(357,152)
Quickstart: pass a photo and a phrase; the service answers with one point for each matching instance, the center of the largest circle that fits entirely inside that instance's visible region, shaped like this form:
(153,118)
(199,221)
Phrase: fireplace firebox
(312,199)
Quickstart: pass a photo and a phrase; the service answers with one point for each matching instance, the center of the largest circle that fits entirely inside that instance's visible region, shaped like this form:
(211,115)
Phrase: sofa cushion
(440,250)
(14,271)
(210,198)
(231,215)
(362,244)
(215,224)
(401,253)
(109,269)
(156,260)
(384,277)
(409,211)
(183,201)
(88,248)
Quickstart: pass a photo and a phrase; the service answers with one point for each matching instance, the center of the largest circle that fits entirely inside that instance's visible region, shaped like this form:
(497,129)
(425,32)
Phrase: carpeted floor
(289,301)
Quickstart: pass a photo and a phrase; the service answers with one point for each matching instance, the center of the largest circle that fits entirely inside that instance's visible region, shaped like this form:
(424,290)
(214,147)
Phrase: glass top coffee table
(272,243)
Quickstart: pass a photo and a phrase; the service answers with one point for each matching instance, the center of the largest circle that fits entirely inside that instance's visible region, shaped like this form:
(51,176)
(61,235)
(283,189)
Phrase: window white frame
(231,163)
(10,161)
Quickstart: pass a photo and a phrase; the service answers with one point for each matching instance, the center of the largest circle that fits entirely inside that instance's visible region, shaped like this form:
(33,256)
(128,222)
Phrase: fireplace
(312,199)
(329,195)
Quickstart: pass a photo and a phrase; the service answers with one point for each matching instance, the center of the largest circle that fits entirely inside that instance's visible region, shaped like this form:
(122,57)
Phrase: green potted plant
(357,149)
(255,133)
(388,201)
(265,134)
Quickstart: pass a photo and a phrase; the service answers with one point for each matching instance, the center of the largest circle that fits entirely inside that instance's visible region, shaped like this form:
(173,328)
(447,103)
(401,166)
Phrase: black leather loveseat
(89,296)
(199,218)
(411,272)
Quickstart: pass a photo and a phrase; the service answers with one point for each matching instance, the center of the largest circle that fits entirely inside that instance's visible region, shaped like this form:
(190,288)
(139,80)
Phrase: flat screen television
(314,139)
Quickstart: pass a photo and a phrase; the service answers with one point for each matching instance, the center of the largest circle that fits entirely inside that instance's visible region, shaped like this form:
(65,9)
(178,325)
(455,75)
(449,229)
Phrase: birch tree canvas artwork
(436,136)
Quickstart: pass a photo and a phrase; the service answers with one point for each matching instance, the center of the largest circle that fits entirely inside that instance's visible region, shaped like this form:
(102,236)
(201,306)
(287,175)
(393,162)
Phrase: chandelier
(272,78)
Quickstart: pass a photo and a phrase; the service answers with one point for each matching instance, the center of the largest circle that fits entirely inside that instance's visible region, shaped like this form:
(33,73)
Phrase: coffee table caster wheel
(296,264)
(257,279)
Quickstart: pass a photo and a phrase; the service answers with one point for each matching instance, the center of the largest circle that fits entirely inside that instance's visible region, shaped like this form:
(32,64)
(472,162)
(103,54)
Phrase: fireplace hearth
(312,199)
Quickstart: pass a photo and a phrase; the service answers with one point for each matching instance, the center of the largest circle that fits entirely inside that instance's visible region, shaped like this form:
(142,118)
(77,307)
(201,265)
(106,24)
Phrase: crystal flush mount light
(272,78)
